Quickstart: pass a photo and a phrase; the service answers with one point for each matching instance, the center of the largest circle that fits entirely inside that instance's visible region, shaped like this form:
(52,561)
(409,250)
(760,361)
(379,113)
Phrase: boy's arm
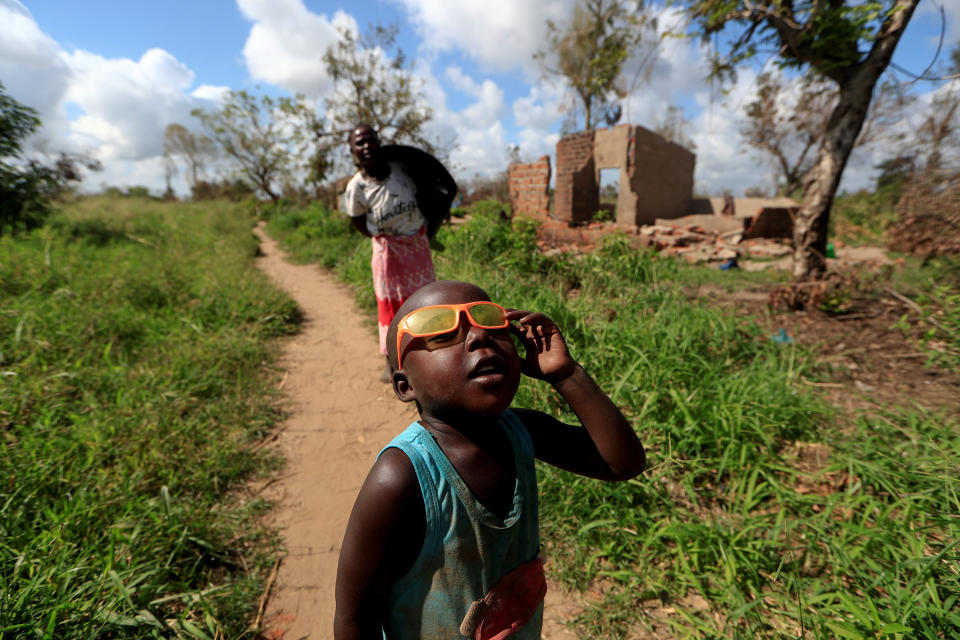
(383,538)
(607,446)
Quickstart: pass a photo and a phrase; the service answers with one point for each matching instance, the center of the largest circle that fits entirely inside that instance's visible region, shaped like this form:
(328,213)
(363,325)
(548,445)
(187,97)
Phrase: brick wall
(529,186)
(575,196)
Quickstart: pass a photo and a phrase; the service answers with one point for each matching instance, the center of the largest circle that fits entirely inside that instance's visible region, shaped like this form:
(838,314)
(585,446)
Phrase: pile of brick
(691,242)
(695,244)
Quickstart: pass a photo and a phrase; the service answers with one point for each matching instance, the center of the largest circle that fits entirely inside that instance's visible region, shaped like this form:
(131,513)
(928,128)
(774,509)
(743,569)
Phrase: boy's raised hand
(547,357)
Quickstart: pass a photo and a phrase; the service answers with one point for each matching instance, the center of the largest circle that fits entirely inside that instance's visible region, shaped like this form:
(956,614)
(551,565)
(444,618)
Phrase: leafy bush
(27,185)
(862,217)
(234,190)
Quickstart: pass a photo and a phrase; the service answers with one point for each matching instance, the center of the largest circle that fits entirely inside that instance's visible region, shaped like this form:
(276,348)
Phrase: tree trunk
(821,181)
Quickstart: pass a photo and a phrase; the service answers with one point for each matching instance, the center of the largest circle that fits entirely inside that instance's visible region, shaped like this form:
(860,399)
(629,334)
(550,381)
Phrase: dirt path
(340,416)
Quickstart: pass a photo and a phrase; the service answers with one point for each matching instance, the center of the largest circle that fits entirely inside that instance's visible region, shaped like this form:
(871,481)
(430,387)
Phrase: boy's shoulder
(394,473)
(390,498)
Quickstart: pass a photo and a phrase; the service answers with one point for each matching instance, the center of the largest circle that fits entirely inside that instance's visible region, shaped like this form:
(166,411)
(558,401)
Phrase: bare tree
(169,171)
(847,41)
(254,133)
(939,133)
(373,87)
(788,122)
(590,54)
(195,150)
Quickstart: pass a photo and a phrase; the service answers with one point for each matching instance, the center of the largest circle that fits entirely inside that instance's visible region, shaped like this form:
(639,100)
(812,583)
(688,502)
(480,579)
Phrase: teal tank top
(467,548)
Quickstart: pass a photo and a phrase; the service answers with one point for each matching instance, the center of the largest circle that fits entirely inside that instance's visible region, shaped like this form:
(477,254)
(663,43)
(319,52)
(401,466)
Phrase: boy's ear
(402,386)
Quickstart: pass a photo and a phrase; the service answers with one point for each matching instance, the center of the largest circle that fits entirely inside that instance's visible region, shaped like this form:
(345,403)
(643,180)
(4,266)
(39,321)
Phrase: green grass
(135,344)
(934,285)
(862,545)
(862,217)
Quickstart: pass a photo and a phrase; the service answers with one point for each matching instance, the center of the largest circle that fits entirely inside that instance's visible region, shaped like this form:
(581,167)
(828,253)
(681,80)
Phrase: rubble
(928,222)
(695,244)
(753,243)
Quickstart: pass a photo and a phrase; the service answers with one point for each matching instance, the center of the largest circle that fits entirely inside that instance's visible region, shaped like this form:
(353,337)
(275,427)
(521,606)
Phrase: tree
(788,132)
(253,132)
(194,149)
(825,37)
(372,87)
(27,185)
(789,125)
(940,129)
(590,54)
(312,141)
(169,170)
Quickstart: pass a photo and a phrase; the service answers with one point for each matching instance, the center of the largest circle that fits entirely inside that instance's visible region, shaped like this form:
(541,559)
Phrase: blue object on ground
(729,264)
(782,337)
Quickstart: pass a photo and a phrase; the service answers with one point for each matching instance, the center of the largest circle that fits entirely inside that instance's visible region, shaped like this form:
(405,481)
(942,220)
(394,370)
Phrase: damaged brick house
(656,177)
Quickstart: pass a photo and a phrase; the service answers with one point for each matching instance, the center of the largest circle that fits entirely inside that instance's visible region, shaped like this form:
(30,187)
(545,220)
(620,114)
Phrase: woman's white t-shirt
(390,205)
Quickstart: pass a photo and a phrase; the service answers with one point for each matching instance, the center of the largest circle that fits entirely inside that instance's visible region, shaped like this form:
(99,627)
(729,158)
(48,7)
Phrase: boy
(444,536)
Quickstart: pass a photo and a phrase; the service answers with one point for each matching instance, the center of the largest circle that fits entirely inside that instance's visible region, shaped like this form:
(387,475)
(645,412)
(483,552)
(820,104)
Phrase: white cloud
(499,34)
(489,105)
(113,109)
(541,108)
(480,141)
(26,55)
(287,42)
(480,151)
(538,114)
(128,103)
(210,93)
(462,81)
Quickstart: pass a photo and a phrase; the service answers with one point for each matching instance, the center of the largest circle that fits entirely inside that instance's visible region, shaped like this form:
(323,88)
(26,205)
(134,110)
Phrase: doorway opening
(609,190)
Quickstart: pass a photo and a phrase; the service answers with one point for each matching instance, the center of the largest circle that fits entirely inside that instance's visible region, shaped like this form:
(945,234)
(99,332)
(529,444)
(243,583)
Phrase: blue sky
(107,76)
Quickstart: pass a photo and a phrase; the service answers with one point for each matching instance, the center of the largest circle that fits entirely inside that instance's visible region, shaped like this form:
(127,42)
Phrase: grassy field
(136,350)
(763,512)
(136,340)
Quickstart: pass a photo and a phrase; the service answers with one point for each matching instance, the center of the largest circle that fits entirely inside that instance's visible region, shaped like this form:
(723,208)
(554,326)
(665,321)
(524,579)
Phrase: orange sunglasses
(445,318)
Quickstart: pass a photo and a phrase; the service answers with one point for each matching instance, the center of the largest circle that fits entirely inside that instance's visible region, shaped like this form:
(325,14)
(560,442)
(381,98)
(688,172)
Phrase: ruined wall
(656,175)
(661,176)
(529,187)
(575,195)
(611,150)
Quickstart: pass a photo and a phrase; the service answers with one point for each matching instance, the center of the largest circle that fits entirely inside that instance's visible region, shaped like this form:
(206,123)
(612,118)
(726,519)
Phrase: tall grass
(758,516)
(133,342)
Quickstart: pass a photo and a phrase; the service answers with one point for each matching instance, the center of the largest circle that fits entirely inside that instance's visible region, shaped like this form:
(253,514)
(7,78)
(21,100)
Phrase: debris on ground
(714,239)
(929,219)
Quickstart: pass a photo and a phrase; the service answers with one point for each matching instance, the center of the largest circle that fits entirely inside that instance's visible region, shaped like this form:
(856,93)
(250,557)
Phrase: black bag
(435,186)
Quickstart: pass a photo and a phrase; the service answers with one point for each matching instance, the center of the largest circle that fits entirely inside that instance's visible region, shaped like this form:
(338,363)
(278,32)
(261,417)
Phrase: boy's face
(476,372)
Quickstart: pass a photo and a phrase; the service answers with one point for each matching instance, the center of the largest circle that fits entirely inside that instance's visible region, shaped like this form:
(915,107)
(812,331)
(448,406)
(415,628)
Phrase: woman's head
(364,145)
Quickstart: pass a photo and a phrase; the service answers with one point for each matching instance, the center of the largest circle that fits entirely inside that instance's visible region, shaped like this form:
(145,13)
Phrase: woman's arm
(606,446)
(356,207)
(360,224)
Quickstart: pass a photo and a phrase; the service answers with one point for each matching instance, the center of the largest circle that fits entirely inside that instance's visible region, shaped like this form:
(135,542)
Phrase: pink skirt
(400,265)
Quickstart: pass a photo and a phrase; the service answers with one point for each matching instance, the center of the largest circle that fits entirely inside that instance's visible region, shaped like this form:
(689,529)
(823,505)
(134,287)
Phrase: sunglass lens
(427,321)
(487,315)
